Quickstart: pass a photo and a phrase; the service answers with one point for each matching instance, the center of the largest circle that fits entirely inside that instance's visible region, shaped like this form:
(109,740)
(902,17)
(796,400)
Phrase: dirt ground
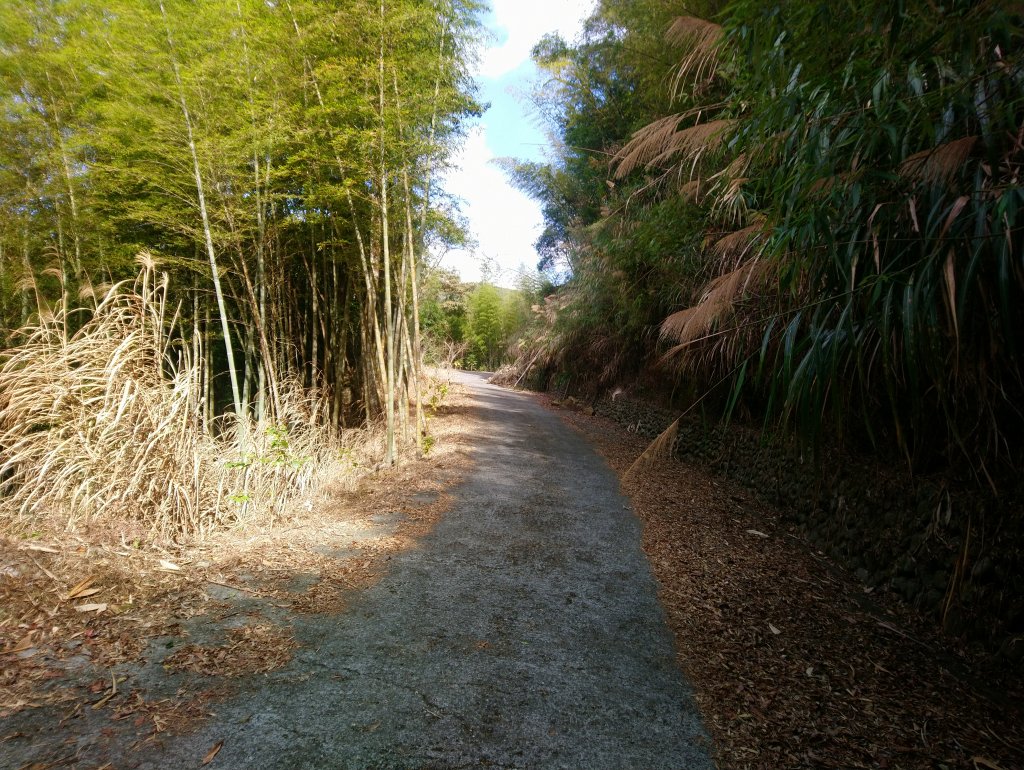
(796,663)
(77,608)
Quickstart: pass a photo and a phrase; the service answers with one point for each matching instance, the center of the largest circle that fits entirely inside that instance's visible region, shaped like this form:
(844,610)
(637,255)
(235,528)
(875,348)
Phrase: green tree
(485,326)
(802,207)
(444,310)
(276,159)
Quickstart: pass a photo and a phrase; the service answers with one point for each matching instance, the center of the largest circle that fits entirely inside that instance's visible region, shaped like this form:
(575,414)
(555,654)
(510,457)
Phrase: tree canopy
(807,210)
(263,173)
(275,159)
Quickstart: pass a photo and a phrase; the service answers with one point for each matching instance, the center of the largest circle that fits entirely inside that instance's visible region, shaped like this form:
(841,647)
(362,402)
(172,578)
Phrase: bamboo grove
(805,211)
(262,170)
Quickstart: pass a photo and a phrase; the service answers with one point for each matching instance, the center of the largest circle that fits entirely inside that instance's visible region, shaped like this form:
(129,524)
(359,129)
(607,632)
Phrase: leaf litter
(74,604)
(794,664)
(250,649)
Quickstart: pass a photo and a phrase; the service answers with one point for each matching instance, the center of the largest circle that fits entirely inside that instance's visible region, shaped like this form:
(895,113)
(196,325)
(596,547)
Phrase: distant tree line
(477,325)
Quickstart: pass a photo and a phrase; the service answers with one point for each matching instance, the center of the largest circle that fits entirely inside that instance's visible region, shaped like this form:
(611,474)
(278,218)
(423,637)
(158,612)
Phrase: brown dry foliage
(731,249)
(312,559)
(717,303)
(690,191)
(658,451)
(940,164)
(702,39)
(106,423)
(250,649)
(663,142)
(793,662)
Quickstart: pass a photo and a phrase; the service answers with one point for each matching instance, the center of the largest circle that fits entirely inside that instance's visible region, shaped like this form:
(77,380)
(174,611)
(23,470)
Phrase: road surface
(522,632)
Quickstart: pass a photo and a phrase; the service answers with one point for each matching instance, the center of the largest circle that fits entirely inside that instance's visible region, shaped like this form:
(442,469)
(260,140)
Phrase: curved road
(523,632)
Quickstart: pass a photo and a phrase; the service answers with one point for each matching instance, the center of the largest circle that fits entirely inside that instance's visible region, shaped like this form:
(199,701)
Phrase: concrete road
(523,632)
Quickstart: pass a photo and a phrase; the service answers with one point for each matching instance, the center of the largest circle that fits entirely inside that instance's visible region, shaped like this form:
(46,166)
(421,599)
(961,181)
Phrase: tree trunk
(207,230)
(386,256)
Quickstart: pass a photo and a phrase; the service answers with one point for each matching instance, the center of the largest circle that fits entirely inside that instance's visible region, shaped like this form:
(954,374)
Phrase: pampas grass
(662,142)
(106,425)
(938,165)
(658,451)
(718,301)
(702,42)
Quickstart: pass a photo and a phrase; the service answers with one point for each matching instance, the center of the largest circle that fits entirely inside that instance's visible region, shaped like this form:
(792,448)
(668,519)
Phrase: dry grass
(311,558)
(658,451)
(940,164)
(663,142)
(733,248)
(691,192)
(106,424)
(729,200)
(717,303)
(702,41)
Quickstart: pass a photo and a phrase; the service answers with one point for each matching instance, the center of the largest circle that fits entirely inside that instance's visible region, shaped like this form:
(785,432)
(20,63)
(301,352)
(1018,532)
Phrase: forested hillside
(805,212)
(212,224)
(477,326)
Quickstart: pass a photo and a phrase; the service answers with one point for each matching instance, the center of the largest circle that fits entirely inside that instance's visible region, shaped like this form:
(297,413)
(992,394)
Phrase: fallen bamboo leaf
(78,589)
(91,608)
(982,762)
(213,752)
(169,566)
(890,627)
(45,571)
(881,668)
(86,592)
(103,701)
(234,588)
(109,695)
(24,644)
(756,532)
(36,547)
(773,629)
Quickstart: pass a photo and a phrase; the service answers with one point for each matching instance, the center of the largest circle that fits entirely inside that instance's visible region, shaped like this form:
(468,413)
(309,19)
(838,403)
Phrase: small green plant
(280,450)
(347,455)
(278,438)
(438,393)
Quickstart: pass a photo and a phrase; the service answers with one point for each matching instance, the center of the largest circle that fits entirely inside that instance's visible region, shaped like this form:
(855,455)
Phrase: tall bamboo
(236,393)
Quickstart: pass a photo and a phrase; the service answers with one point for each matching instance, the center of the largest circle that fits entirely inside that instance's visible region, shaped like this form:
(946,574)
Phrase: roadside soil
(795,663)
(88,615)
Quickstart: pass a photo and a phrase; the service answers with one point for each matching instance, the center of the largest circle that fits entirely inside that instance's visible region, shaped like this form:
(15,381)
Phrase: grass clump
(104,418)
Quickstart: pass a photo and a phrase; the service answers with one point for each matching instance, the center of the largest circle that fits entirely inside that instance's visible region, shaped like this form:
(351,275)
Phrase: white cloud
(505,221)
(525,22)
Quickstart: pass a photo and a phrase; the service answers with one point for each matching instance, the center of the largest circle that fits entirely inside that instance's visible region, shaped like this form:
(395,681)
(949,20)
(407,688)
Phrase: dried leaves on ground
(74,603)
(794,662)
(250,649)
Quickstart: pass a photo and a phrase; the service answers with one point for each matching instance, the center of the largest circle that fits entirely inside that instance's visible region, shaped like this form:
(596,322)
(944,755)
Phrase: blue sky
(504,222)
